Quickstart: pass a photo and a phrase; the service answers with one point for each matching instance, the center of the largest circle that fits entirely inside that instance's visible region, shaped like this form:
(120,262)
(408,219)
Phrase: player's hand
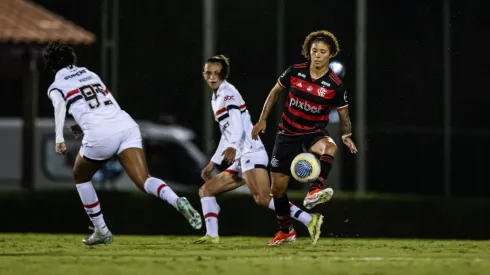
(60,148)
(76,130)
(229,155)
(349,143)
(258,128)
(206,171)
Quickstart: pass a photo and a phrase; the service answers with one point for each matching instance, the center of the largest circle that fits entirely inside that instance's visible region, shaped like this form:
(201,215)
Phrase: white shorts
(249,161)
(108,147)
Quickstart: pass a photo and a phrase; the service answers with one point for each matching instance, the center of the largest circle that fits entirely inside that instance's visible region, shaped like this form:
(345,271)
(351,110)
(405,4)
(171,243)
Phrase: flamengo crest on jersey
(89,102)
(235,124)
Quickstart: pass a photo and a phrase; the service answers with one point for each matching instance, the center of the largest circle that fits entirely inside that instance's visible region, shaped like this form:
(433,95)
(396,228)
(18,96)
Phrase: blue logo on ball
(303,168)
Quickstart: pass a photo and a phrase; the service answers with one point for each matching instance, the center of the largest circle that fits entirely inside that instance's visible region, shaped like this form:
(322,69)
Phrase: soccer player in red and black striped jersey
(313,90)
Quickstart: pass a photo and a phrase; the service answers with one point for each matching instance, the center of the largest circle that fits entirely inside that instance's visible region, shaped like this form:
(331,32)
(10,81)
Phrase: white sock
(160,189)
(210,210)
(296,213)
(92,206)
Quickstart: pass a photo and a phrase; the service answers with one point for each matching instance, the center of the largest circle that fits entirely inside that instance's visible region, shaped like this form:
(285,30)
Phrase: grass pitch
(65,254)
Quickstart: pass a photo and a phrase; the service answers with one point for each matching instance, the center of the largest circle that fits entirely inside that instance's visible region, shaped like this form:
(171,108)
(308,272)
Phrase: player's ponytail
(58,56)
(225,64)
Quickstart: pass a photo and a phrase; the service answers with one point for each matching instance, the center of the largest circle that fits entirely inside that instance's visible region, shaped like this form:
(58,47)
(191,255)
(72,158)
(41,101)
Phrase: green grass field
(65,254)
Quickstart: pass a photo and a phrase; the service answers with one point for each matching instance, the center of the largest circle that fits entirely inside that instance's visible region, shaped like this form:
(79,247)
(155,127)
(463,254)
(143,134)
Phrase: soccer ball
(305,168)
(337,68)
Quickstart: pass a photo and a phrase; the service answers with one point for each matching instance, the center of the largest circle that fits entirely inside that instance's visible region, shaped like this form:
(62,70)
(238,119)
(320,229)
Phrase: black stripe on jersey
(229,107)
(310,97)
(225,116)
(73,100)
(291,128)
(56,89)
(305,122)
(294,130)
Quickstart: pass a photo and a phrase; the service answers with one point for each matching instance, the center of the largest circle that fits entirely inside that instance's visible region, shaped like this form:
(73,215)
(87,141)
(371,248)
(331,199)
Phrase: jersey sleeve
(55,90)
(341,101)
(285,79)
(58,101)
(230,119)
(217,158)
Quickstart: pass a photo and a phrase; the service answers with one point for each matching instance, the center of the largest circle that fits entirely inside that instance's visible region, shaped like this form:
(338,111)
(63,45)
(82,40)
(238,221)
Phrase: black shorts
(286,148)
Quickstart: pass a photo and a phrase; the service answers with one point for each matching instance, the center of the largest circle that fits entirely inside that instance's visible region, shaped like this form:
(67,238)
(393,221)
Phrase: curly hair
(324,36)
(58,56)
(225,64)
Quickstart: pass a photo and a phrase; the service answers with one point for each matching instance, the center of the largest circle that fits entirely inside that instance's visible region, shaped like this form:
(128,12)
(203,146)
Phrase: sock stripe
(160,189)
(91,205)
(211,215)
(296,215)
(327,158)
(95,214)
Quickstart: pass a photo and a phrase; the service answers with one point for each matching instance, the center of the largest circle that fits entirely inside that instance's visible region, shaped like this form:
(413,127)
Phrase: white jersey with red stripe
(231,113)
(90,103)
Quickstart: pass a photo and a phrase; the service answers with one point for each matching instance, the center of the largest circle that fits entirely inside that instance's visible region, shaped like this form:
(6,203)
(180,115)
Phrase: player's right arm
(58,102)
(216,159)
(282,83)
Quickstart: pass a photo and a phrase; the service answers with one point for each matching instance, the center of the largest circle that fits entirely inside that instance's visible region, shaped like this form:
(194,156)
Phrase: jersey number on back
(89,93)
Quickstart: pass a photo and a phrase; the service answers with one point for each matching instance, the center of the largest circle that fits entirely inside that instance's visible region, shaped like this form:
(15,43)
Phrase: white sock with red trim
(296,213)
(92,206)
(210,210)
(160,189)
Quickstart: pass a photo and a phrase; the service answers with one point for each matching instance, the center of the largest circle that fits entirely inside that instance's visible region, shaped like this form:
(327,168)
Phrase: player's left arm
(59,117)
(345,122)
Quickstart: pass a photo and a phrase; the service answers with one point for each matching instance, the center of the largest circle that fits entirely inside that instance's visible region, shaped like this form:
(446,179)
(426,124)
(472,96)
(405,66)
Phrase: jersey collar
(220,88)
(64,71)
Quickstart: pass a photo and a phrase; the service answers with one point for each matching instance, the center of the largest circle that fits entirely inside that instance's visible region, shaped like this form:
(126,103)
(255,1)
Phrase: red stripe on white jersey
(220,111)
(71,93)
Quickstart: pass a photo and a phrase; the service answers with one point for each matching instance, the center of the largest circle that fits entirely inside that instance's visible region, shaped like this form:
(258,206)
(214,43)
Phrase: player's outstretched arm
(269,103)
(346,129)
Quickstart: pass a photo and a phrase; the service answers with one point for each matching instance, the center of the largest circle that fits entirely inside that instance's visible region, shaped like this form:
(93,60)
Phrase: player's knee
(278,191)
(79,176)
(279,187)
(204,191)
(262,199)
(330,148)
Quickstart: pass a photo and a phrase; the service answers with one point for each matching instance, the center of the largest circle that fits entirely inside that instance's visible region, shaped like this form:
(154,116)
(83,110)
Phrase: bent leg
(325,150)
(134,163)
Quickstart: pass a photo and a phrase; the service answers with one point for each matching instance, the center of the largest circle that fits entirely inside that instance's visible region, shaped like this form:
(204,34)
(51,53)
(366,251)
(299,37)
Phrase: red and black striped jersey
(309,101)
